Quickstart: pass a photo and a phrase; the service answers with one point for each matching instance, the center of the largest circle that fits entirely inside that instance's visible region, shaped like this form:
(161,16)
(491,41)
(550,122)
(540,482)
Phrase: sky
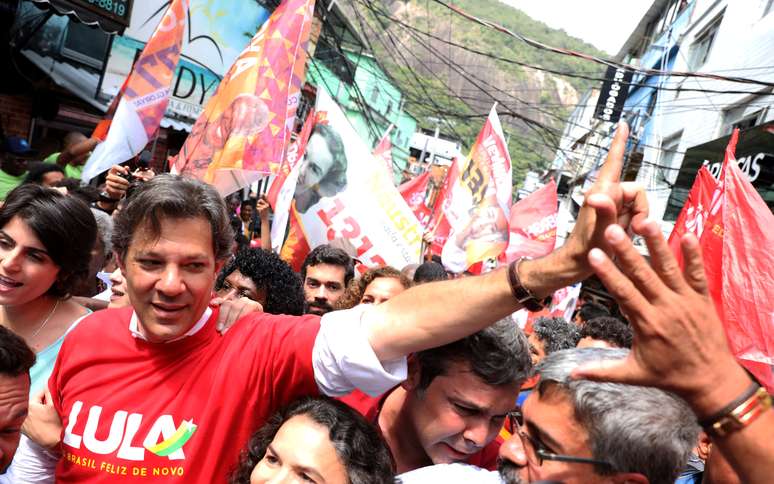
(605,24)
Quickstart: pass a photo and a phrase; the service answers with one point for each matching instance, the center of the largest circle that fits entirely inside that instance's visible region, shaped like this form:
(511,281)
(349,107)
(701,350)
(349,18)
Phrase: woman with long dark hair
(46,240)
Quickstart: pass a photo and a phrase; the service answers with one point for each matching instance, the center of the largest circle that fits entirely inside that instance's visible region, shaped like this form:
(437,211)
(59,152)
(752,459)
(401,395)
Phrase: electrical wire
(599,60)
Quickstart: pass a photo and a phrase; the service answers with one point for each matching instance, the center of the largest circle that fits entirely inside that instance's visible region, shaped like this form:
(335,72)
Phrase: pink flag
(532,225)
(748,274)
(413,192)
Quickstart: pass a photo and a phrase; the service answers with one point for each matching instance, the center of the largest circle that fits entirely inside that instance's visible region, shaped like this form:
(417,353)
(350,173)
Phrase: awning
(113,20)
(83,83)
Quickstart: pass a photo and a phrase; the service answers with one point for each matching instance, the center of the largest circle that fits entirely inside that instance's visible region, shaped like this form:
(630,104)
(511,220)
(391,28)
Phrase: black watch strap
(521,293)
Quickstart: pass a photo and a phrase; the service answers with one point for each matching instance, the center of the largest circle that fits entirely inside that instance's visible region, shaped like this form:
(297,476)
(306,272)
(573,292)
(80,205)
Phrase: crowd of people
(147,331)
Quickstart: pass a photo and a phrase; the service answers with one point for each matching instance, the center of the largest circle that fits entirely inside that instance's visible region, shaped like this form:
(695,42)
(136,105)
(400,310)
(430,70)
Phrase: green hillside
(454,88)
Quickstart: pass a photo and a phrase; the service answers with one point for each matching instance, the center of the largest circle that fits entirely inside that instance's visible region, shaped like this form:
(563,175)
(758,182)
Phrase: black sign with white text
(754,155)
(613,94)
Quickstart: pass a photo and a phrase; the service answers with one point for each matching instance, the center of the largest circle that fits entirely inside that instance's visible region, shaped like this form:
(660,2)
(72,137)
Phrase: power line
(599,60)
(545,69)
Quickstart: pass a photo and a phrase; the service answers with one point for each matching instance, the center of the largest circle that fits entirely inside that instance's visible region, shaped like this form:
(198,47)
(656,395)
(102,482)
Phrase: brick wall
(15,114)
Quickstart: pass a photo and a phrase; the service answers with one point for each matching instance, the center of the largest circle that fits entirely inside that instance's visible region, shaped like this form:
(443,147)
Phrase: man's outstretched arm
(434,314)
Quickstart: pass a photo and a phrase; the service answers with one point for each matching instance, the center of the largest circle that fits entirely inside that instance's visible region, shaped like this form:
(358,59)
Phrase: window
(670,157)
(747,122)
(87,45)
(743,116)
(375,95)
(389,108)
(702,45)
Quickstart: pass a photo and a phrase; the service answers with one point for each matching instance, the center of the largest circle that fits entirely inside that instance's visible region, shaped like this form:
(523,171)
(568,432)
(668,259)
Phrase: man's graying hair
(174,197)
(498,355)
(635,429)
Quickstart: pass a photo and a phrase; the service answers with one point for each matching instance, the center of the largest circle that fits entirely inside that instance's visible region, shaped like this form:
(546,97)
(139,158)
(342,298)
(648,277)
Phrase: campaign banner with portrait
(480,201)
(343,191)
(283,187)
(245,128)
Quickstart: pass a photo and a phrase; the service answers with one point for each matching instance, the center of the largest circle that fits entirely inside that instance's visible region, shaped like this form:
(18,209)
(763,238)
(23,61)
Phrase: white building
(670,115)
(730,38)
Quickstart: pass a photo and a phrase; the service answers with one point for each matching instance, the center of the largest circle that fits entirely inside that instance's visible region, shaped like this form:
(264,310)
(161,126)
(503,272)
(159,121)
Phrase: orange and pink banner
(245,127)
(135,115)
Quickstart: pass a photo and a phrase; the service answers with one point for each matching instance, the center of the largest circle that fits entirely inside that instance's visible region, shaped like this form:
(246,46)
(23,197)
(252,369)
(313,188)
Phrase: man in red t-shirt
(152,391)
(454,401)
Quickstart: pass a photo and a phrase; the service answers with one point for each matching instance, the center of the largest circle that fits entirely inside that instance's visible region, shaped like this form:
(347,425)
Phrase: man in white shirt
(172,239)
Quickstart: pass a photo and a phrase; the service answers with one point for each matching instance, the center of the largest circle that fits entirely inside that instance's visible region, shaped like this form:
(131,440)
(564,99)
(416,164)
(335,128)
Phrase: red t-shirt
(134,411)
(370,407)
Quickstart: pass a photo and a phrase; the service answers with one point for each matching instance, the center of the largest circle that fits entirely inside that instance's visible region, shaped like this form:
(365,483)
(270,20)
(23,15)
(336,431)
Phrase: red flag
(748,274)
(243,131)
(695,213)
(712,237)
(413,192)
(383,151)
(533,225)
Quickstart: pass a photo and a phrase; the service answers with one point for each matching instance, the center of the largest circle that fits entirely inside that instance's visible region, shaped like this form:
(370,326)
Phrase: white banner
(343,191)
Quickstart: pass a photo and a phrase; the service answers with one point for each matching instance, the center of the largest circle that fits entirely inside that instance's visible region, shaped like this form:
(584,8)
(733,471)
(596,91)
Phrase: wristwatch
(521,293)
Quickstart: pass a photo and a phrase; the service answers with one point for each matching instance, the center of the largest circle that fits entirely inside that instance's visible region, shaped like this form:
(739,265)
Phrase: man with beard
(576,431)
(325,274)
(588,422)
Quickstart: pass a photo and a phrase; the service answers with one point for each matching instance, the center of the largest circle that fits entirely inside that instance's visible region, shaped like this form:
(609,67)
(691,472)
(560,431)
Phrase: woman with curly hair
(317,440)
(375,287)
(262,276)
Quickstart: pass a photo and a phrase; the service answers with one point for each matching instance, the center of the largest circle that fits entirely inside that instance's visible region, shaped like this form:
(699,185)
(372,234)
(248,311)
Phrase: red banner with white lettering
(533,225)
(695,213)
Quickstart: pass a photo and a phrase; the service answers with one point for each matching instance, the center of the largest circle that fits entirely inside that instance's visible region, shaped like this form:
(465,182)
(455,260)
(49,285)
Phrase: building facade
(672,116)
